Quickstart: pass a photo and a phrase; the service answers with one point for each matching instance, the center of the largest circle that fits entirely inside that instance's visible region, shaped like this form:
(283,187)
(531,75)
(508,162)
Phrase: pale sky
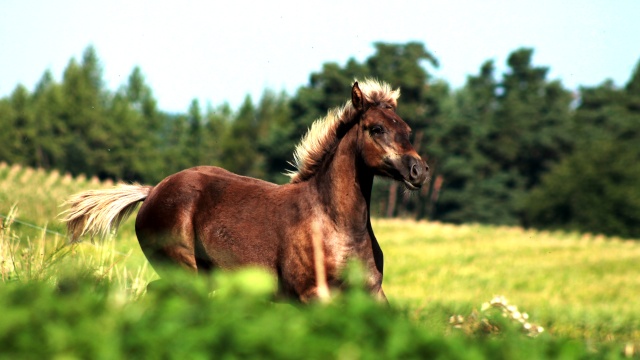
(220,51)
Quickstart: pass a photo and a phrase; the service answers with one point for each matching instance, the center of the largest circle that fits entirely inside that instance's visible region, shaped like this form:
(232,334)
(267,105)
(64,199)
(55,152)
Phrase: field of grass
(576,286)
(580,286)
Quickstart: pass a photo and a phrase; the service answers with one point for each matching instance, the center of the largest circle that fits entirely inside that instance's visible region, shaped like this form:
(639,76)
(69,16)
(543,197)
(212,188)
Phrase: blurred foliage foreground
(84,317)
(75,301)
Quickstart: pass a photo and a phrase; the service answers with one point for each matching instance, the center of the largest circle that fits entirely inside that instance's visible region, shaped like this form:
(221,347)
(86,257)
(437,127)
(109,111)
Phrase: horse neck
(344,184)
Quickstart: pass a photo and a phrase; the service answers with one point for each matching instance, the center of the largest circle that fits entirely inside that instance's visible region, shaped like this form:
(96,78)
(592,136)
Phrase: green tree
(468,175)
(239,145)
(48,107)
(6,122)
(275,128)
(496,140)
(147,146)
(19,144)
(133,124)
(175,135)
(193,147)
(86,143)
(216,122)
(596,189)
(533,121)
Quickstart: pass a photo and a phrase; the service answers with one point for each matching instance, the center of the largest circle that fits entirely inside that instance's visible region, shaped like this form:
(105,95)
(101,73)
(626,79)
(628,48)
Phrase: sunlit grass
(575,285)
(49,257)
(33,242)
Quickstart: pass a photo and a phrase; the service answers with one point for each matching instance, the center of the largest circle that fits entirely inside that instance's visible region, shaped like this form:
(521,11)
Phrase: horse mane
(322,137)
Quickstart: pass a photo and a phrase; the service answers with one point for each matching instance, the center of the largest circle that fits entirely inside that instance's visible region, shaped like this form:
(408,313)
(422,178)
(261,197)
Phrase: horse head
(383,140)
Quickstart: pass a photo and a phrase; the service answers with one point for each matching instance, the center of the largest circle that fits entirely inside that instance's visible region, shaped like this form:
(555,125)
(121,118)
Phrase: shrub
(87,318)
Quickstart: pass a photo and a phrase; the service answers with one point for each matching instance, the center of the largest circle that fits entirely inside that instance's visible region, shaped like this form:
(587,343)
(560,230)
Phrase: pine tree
(468,176)
(274,131)
(193,147)
(19,144)
(48,110)
(217,121)
(86,142)
(239,145)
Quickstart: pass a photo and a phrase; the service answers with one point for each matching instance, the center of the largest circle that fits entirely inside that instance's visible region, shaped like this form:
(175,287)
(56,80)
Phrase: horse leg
(315,293)
(380,296)
(169,261)
(167,244)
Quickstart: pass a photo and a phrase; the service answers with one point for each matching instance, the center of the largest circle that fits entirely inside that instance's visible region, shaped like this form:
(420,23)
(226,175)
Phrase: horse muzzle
(416,173)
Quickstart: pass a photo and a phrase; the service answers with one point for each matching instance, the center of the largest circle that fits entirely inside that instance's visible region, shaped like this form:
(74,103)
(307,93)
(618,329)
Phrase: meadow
(580,288)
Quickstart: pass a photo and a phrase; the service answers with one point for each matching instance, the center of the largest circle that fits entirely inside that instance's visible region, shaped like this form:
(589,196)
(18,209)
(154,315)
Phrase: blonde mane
(322,136)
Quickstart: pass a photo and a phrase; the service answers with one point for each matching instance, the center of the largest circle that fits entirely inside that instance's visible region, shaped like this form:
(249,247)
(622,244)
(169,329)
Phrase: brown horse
(304,232)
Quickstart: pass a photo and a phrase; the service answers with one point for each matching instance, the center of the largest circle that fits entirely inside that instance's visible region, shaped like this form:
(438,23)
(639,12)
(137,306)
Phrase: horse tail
(98,212)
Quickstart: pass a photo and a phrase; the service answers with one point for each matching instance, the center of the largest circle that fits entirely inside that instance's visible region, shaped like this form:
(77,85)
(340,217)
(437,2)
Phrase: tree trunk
(393,197)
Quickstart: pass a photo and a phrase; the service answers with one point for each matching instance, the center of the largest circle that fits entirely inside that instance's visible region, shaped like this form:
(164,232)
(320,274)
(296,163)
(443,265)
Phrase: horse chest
(338,247)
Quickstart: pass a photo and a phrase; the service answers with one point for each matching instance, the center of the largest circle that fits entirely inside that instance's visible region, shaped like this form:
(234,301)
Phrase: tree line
(512,149)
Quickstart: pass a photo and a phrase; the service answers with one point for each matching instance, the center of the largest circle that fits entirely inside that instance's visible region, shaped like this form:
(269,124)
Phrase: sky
(222,51)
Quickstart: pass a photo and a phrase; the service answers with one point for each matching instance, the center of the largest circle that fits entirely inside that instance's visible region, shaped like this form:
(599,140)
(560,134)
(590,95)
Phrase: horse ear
(356,97)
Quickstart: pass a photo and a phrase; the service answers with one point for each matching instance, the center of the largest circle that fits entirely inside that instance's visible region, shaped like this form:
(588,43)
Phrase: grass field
(577,286)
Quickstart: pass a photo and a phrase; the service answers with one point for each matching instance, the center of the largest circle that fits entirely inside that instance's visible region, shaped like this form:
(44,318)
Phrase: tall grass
(50,257)
(34,245)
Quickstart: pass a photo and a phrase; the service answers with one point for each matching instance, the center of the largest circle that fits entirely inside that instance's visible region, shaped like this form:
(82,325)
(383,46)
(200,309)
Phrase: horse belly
(231,245)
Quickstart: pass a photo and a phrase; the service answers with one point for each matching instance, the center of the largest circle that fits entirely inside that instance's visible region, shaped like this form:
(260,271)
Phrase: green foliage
(595,188)
(496,140)
(571,195)
(84,318)
(239,154)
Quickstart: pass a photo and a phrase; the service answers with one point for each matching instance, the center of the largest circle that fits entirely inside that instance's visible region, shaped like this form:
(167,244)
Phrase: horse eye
(376,129)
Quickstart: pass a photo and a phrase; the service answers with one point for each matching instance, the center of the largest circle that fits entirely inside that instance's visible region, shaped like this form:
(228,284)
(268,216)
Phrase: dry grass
(50,257)
(33,242)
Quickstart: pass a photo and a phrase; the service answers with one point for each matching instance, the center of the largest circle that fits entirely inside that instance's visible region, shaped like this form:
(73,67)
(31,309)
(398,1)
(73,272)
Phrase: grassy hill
(578,286)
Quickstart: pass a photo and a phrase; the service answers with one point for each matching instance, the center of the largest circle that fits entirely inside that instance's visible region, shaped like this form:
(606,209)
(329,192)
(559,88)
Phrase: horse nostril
(415,171)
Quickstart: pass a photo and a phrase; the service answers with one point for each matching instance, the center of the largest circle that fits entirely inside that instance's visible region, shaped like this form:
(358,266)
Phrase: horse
(303,232)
